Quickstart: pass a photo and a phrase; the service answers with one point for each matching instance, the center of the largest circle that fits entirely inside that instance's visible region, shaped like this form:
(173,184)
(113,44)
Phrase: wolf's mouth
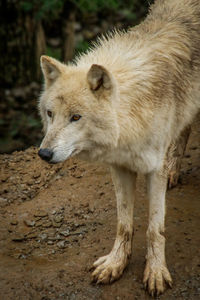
(58,160)
(74,152)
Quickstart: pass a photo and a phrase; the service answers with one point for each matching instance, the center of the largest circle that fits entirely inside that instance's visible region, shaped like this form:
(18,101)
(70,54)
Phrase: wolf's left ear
(99,79)
(51,69)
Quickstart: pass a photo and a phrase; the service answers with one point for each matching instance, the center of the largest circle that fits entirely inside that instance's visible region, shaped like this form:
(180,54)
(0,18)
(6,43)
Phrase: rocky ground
(56,220)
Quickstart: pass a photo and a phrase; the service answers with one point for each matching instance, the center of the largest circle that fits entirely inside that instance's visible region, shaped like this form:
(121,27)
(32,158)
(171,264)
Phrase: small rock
(31,235)
(50,243)
(18,238)
(43,236)
(29,223)
(61,244)
(14,222)
(37,219)
(3,200)
(47,224)
(39,223)
(58,218)
(38,181)
(56,225)
(58,237)
(40,213)
(65,233)
(4,177)
(72,296)
(36,174)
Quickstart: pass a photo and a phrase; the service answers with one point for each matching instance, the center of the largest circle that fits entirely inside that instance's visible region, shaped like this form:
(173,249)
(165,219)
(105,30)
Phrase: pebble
(65,233)
(38,181)
(58,218)
(18,238)
(14,222)
(29,223)
(40,213)
(51,238)
(47,224)
(57,225)
(36,174)
(39,223)
(3,200)
(31,235)
(50,243)
(72,296)
(70,283)
(43,236)
(58,237)
(61,244)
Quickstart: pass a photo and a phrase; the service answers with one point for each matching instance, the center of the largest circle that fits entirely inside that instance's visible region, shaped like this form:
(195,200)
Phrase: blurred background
(58,28)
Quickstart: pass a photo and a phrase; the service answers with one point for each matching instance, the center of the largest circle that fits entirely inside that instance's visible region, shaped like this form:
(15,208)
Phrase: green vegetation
(50,9)
(58,28)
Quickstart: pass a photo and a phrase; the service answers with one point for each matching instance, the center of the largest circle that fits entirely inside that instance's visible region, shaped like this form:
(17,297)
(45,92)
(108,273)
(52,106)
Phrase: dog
(124,103)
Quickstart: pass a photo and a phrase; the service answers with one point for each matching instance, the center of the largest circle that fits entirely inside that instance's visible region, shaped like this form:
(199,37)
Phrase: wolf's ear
(51,69)
(99,79)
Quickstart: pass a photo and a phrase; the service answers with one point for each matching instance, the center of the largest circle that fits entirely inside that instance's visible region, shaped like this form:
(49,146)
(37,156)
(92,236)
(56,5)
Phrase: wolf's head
(77,110)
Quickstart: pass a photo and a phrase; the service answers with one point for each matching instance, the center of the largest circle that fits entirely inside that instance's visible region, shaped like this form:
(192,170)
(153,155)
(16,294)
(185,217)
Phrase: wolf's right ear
(51,69)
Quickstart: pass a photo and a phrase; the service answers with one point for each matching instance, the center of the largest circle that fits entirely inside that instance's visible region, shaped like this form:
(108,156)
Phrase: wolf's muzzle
(45,154)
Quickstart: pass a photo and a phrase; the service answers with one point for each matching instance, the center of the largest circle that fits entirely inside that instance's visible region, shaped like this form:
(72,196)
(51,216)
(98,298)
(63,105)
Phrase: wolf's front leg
(110,267)
(156,272)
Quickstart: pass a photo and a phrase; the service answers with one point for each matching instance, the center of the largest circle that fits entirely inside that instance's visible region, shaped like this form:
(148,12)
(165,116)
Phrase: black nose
(45,154)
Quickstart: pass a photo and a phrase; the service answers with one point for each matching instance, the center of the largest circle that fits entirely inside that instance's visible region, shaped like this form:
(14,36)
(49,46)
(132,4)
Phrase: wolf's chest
(142,161)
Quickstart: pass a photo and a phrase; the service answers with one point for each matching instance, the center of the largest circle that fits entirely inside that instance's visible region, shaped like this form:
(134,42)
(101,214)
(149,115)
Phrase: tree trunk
(40,48)
(20,48)
(68,37)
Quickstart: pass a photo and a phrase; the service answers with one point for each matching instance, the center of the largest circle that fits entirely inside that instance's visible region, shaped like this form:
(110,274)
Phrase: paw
(155,278)
(108,268)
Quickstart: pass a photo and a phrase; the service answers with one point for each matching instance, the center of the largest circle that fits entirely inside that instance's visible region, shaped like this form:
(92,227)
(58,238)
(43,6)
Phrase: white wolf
(123,103)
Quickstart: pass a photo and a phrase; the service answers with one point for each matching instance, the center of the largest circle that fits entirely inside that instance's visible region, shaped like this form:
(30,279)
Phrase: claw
(93,280)
(145,285)
(90,269)
(108,269)
(152,293)
(170,283)
(99,281)
(112,279)
(155,279)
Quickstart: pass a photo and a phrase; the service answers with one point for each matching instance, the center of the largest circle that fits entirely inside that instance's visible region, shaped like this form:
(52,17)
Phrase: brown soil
(56,220)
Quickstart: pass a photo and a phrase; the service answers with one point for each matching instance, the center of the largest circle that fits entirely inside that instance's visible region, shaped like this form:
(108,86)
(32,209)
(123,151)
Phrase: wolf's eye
(49,113)
(75,118)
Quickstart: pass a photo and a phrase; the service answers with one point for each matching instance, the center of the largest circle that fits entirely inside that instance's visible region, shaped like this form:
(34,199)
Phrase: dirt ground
(57,220)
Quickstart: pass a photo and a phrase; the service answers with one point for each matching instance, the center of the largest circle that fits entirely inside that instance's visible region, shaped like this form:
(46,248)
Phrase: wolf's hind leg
(110,267)
(174,157)
(156,272)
